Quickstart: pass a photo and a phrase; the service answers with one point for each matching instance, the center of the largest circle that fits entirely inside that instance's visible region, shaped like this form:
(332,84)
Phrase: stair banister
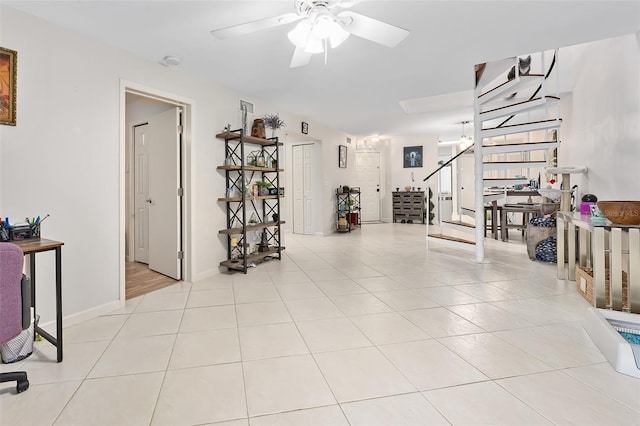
(448,162)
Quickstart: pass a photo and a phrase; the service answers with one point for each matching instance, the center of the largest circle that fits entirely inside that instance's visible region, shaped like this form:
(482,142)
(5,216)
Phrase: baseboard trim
(83,316)
(206,274)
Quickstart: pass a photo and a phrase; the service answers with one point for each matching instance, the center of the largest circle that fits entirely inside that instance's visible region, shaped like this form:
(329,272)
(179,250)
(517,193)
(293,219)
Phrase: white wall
(63,157)
(401,177)
(602,123)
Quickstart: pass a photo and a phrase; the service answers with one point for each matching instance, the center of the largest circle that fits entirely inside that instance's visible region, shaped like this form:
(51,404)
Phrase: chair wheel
(410,221)
(22,385)
(402,221)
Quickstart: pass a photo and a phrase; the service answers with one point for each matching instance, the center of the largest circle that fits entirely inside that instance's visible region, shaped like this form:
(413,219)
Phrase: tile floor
(366,328)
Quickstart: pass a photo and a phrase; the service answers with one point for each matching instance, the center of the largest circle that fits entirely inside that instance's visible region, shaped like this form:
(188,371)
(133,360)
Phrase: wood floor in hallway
(142,280)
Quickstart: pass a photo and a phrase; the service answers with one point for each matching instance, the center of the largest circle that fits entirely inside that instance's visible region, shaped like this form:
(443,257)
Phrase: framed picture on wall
(8,86)
(412,156)
(342,156)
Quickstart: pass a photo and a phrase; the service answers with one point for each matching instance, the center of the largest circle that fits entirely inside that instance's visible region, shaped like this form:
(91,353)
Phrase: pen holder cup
(35,230)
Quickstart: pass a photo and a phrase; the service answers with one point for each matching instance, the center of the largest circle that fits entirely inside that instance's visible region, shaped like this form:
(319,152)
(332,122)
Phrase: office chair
(13,318)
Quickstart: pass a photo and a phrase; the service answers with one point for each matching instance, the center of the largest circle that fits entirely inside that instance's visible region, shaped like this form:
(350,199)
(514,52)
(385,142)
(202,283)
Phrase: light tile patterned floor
(366,328)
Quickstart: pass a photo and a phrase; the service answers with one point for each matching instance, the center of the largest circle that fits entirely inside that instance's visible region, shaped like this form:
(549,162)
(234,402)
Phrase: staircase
(516,126)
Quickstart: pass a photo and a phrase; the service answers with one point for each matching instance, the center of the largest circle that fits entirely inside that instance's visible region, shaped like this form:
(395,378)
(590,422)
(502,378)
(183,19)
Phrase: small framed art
(412,156)
(342,156)
(8,86)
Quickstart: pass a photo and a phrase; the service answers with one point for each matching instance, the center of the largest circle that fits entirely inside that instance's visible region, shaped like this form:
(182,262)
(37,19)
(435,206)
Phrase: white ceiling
(360,89)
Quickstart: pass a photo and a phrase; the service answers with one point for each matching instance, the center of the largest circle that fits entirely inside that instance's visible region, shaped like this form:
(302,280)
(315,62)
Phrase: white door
(302,189)
(141,167)
(368,179)
(307,189)
(466,182)
(165,241)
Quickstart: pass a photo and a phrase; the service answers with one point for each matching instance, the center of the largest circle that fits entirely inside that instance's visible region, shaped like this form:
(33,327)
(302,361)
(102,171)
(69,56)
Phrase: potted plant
(263,187)
(273,122)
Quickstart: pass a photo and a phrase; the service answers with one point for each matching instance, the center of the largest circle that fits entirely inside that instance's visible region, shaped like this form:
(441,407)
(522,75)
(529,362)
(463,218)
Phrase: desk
(32,247)
(525,209)
(492,196)
(600,231)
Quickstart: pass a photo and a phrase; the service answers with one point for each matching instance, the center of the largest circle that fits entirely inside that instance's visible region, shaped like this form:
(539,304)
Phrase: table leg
(634,271)
(32,278)
(560,247)
(494,219)
(503,226)
(597,237)
(615,283)
(571,246)
(583,241)
(59,302)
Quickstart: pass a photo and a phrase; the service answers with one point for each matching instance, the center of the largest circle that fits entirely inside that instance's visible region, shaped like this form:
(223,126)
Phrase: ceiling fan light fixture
(338,34)
(314,44)
(299,35)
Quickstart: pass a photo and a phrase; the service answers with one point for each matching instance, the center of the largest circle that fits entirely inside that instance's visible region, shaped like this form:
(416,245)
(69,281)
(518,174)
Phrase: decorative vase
(262,191)
(257,130)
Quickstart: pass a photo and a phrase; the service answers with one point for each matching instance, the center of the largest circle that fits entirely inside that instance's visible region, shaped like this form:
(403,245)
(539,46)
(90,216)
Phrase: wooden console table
(606,240)
(31,247)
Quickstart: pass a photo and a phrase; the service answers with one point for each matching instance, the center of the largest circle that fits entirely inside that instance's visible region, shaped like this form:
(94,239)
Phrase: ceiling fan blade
(349,3)
(253,26)
(374,30)
(300,58)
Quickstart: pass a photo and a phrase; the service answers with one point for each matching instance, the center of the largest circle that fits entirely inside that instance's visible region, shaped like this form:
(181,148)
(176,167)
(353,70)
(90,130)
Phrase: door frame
(305,223)
(290,139)
(188,111)
(380,179)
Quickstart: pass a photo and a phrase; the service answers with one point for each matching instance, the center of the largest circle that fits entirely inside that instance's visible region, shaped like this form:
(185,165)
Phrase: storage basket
(535,234)
(584,284)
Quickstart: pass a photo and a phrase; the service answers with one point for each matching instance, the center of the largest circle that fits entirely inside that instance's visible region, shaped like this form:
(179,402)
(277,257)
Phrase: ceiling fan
(321,23)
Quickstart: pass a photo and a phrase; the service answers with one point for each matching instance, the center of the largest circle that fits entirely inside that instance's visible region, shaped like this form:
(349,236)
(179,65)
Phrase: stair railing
(447,163)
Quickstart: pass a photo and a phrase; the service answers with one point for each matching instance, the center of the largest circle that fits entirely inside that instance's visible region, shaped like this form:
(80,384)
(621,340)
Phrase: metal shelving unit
(348,208)
(249,213)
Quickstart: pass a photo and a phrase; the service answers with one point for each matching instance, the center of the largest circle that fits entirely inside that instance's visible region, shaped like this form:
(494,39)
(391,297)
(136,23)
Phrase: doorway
(368,179)
(155,187)
(303,196)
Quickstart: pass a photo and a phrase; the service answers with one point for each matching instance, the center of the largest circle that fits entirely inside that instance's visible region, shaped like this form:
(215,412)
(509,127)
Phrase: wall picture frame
(342,156)
(412,156)
(8,86)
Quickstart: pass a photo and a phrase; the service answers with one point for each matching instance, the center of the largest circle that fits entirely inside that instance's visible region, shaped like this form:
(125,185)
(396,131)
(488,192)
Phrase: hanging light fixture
(465,141)
(463,137)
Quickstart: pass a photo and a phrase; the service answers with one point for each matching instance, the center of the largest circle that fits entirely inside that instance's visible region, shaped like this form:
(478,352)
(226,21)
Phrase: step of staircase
(458,225)
(518,147)
(491,197)
(520,107)
(491,132)
(454,242)
(504,181)
(510,165)
(466,211)
(510,86)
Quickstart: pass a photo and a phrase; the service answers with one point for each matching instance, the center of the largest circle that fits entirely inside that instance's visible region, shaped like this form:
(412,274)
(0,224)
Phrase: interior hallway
(141,280)
(361,328)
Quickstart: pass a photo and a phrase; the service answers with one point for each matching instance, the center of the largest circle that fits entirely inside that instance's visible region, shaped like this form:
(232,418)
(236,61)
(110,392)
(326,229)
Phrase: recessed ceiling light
(170,61)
